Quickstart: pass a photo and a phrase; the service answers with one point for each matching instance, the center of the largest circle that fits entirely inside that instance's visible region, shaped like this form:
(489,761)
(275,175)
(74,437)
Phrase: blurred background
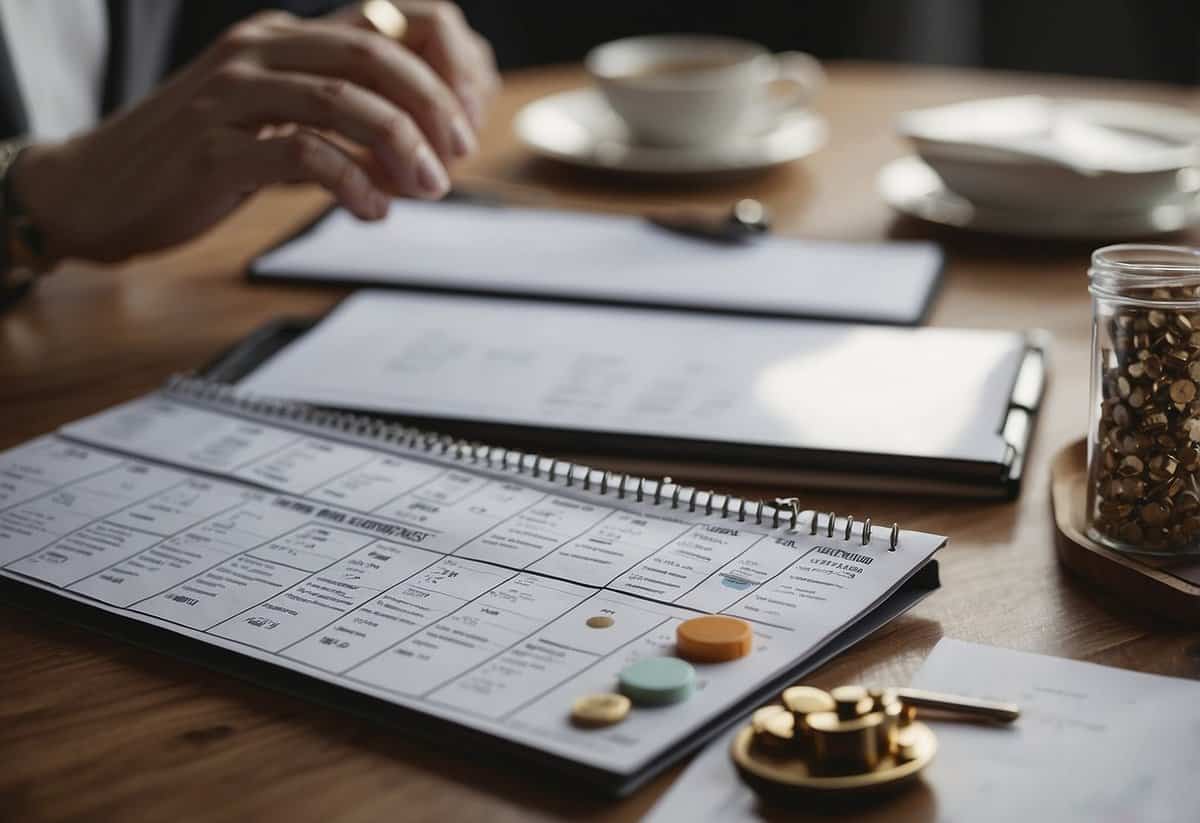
(1156,40)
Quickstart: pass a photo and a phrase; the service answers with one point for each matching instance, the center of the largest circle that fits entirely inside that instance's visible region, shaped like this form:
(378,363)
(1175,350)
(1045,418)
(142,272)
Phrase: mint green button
(657,681)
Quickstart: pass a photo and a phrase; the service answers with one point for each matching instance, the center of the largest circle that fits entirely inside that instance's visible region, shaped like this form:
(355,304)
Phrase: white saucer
(578,127)
(1125,155)
(911,187)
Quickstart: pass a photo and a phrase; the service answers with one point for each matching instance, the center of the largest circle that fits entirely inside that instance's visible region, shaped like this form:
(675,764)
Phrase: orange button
(713,638)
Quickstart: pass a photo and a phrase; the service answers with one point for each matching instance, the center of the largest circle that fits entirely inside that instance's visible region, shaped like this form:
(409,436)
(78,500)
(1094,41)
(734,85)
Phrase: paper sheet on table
(611,258)
(1093,744)
(732,380)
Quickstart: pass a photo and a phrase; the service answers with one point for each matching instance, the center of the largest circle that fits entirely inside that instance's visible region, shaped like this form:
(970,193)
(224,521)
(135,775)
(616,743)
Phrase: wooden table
(93,728)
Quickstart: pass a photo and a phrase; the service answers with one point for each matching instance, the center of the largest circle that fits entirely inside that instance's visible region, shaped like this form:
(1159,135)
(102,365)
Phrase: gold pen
(966,706)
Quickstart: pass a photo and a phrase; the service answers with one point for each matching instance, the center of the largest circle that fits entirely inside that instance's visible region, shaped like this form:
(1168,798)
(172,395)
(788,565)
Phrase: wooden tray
(1146,582)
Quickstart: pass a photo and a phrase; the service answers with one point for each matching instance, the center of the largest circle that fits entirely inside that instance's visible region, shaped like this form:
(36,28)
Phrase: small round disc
(596,710)
(600,621)
(807,700)
(775,731)
(657,681)
(714,638)
(852,701)
(760,717)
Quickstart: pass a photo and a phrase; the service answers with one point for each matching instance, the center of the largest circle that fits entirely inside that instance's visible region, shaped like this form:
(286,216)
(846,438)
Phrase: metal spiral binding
(783,511)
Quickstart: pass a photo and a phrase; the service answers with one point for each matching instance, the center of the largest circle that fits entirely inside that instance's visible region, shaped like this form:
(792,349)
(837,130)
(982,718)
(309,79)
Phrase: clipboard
(474,245)
(717,461)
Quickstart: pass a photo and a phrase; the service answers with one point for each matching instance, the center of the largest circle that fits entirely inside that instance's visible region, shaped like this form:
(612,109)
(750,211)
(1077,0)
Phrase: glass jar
(1144,441)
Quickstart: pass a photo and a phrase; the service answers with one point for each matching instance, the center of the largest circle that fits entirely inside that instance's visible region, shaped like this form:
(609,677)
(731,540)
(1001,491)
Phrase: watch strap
(22,246)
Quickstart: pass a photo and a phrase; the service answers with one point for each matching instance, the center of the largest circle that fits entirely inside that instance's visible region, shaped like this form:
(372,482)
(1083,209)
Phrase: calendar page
(485,591)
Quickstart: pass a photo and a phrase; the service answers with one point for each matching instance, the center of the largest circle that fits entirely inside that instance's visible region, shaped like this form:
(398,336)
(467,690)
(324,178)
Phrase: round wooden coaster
(1154,584)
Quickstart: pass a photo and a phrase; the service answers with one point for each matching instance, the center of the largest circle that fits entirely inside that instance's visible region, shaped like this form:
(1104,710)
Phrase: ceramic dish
(911,187)
(578,127)
(1099,155)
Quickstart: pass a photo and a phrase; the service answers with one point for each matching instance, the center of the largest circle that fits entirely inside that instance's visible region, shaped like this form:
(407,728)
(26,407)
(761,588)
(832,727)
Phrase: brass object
(851,701)
(846,746)
(802,700)
(780,777)
(970,707)
(761,716)
(774,728)
(848,741)
(887,703)
(595,711)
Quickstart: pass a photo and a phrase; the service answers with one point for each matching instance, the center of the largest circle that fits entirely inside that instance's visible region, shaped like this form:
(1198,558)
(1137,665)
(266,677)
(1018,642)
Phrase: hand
(438,33)
(276,100)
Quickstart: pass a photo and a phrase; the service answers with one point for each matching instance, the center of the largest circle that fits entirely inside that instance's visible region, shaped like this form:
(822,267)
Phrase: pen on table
(746,220)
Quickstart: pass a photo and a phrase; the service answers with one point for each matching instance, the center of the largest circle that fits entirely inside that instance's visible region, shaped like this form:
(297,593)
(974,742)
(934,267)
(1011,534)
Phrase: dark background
(1141,39)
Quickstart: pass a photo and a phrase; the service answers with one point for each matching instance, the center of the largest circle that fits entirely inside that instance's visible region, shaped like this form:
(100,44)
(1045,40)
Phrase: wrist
(28,206)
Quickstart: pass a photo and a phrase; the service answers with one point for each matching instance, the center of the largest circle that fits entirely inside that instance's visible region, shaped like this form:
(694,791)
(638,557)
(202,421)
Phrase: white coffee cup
(692,90)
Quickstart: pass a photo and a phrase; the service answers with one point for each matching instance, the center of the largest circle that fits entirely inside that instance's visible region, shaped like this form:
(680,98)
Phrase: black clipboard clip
(1024,403)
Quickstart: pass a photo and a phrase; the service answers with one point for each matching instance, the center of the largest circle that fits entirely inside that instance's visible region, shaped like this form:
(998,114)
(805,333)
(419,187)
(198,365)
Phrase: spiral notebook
(445,587)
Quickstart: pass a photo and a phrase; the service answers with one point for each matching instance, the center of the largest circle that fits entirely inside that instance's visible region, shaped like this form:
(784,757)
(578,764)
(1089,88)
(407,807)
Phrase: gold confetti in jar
(1144,447)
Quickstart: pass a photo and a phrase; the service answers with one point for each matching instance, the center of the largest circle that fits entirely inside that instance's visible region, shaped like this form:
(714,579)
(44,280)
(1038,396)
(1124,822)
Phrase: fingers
(294,155)
(337,90)
(439,33)
(339,106)
(380,65)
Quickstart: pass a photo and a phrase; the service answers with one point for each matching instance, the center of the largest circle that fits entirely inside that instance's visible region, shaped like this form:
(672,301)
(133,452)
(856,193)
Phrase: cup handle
(803,73)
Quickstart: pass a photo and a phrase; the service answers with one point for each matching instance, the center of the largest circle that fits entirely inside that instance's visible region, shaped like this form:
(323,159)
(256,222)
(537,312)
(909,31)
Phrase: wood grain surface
(91,728)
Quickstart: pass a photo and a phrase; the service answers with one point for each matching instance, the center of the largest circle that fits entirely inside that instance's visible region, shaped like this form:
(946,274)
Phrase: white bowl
(1089,155)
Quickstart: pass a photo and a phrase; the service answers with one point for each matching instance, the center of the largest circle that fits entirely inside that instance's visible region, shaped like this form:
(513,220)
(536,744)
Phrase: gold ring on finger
(385,18)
